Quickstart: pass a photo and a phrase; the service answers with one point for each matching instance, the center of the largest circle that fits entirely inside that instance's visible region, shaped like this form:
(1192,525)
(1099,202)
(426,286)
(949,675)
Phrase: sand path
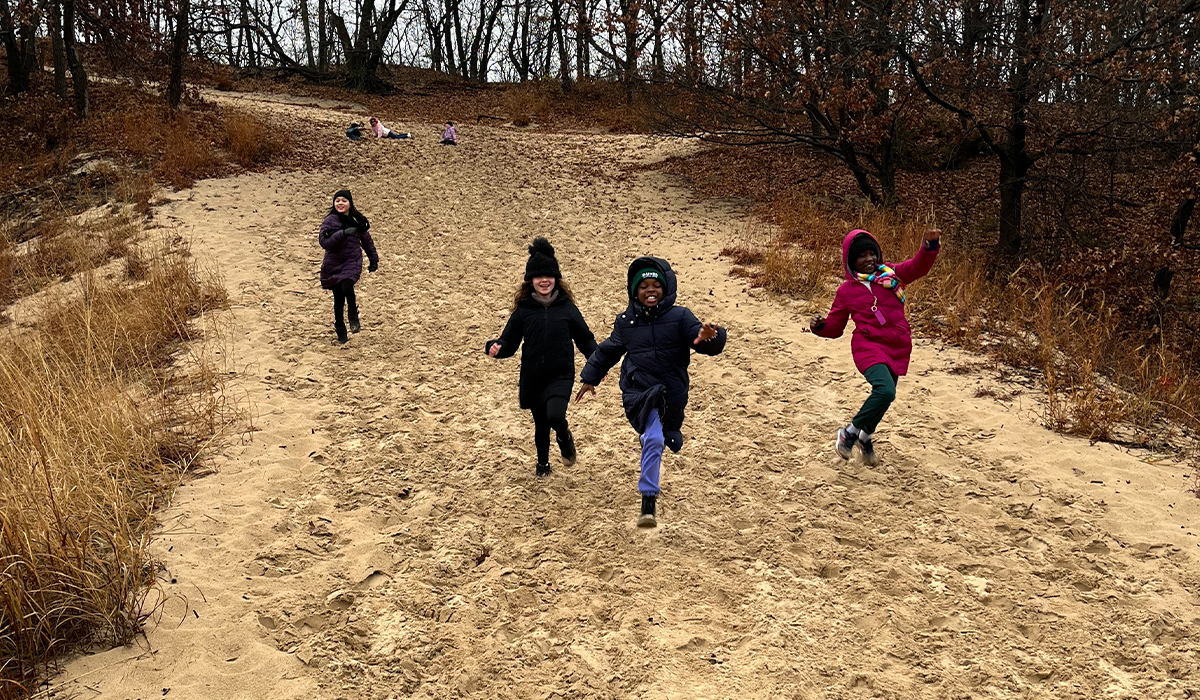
(382,534)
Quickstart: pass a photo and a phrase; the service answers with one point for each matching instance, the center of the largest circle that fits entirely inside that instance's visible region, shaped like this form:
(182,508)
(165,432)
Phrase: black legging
(551,414)
(343,293)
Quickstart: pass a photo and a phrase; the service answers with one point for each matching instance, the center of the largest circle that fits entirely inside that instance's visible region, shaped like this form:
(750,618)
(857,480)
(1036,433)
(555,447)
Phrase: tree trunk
(560,35)
(323,38)
(1014,157)
(18,37)
(79,80)
(1179,223)
(60,54)
(178,52)
(583,38)
(1012,191)
(307,22)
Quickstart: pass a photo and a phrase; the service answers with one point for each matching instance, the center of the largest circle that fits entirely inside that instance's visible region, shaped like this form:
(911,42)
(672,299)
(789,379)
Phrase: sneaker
(543,469)
(647,517)
(566,445)
(845,443)
(867,447)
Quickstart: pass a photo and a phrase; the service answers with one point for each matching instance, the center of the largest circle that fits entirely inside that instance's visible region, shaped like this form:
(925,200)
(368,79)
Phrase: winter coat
(873,342)
(450,134)
(548,360)
(657,343)
(344,241)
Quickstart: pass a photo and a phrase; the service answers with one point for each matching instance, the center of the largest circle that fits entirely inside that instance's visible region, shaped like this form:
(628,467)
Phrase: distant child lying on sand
(657,338)
(382,132)
(873,295)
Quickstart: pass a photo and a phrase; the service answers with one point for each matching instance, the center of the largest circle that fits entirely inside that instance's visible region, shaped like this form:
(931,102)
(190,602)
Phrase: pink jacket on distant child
(450,134)
(889,341)
(378,128)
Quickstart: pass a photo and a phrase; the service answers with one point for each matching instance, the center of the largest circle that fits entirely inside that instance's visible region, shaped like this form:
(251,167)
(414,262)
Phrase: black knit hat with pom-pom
(542,262)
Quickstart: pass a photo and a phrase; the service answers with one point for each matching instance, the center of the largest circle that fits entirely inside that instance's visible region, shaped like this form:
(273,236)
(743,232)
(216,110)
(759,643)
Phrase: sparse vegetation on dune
(102,410)
(56,163)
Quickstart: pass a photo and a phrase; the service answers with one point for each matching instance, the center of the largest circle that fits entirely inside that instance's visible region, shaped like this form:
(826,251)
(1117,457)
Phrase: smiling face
(543,285)
(342,205)
(649,292)
(866,262)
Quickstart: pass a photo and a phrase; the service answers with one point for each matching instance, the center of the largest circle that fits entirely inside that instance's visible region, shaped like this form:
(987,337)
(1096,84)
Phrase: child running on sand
(656,337)
(873,295)
(344,236)
(544,316)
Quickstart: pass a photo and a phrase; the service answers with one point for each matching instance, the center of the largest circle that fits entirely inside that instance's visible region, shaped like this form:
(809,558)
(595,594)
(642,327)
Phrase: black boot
(341,332)
(543,469)
(354,324)
(566,445)
(647,519)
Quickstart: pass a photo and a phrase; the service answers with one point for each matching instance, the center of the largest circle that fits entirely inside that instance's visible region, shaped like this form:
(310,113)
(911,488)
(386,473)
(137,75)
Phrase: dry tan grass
(100,415)
(1100,381)
(187,154)
(251,141)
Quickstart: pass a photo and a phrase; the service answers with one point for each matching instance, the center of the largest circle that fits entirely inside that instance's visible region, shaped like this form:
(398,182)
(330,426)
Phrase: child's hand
(494,350)
(816,322)
(708,331)
(933,234)
(584,389)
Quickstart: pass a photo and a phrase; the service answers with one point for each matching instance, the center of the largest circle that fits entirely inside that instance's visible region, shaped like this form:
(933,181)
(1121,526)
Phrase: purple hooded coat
(873,342)
(344,241)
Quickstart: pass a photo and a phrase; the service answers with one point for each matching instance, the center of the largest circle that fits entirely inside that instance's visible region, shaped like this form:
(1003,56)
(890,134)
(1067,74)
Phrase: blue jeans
(652,450)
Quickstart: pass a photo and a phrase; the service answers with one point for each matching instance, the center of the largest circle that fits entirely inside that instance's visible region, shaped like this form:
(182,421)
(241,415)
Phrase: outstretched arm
(706,338)
(508,342)
(920,264)
(831,326)
(606,355)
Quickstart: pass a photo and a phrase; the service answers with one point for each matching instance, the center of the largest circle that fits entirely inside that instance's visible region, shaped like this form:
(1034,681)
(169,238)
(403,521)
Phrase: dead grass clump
(99,418)
(59,249)
(743,255)
(251,141)
(187,153)
(526,102)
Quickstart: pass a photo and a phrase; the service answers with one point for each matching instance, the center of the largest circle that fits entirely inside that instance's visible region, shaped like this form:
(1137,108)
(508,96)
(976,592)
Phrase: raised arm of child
(920,264)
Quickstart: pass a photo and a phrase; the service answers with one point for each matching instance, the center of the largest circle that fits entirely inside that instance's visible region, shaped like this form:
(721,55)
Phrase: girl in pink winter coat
(873,295)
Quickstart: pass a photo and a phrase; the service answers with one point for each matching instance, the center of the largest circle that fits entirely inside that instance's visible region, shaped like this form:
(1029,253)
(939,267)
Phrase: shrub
(250,141)
(94,432)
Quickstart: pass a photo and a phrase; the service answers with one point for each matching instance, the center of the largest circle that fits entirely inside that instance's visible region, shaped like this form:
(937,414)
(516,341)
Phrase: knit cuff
(933,245)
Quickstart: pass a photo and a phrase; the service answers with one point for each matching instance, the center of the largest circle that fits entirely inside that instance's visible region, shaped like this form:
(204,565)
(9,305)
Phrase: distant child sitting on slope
(657,338)
(873,295)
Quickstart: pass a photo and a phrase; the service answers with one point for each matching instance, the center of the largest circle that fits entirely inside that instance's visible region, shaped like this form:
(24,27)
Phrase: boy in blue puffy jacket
(657,338)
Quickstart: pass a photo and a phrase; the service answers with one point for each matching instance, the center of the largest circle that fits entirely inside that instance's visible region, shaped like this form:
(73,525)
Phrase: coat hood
(669,285)
(847,241)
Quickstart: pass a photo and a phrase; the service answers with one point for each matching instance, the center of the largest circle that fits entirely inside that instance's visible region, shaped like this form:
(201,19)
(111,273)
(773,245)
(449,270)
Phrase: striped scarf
(886,276)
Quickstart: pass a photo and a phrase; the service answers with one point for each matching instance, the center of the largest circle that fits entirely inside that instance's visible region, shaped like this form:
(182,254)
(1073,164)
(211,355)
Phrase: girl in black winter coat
(657,338)
(345,234)
(545,317)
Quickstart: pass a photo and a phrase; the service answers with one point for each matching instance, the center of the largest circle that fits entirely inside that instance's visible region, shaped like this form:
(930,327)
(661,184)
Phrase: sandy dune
(382,534)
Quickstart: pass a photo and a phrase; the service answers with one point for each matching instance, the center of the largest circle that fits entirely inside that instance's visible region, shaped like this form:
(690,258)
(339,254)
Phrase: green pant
(883,392)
